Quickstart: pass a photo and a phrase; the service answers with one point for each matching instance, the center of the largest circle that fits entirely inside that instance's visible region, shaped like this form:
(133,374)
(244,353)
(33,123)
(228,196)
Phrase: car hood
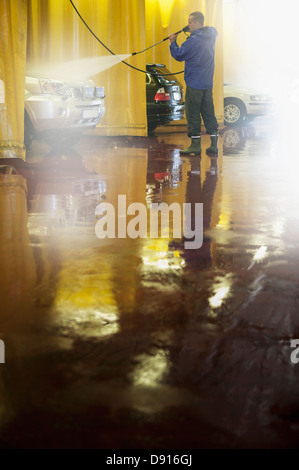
(34,76)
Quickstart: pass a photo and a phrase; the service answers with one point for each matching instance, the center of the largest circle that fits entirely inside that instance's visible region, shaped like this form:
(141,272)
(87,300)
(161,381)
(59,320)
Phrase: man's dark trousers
(200,103)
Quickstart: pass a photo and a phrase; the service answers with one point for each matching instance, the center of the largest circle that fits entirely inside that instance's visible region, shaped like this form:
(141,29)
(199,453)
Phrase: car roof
(155,65)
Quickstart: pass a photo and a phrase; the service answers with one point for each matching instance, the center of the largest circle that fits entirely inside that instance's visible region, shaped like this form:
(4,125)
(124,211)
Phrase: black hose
(111,52)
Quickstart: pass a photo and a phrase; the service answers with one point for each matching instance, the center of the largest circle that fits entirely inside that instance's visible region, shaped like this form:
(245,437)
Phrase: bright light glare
(162,263)
(217,299)
(260,53)
(264,56)
(151,369)
(259,256)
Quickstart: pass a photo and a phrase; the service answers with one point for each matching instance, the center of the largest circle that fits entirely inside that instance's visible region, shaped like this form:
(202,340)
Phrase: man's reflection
(198,192)
(173,179)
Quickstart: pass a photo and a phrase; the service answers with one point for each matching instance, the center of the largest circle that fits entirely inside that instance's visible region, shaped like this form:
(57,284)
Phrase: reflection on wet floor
(142,343)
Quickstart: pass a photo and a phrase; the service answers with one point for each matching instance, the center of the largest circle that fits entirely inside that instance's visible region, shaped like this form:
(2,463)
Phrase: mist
(260,42)
(81,69)
(260,53)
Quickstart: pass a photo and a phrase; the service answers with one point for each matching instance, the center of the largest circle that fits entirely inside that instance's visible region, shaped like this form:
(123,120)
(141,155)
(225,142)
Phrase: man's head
(196,20)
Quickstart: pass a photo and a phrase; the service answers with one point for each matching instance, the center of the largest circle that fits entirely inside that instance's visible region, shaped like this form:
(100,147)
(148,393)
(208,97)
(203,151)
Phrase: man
(198,52)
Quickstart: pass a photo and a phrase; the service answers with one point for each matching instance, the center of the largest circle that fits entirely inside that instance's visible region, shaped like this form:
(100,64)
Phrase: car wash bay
(142,343)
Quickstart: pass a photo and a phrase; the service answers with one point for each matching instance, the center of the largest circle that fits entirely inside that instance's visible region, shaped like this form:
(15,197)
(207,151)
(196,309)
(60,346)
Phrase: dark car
(164,97)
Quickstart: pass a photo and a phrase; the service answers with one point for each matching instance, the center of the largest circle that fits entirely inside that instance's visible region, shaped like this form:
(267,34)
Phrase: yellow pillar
(18,270)
(13,27)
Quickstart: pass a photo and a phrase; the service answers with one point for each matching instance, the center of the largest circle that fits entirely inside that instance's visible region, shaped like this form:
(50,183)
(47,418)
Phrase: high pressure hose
(134,53)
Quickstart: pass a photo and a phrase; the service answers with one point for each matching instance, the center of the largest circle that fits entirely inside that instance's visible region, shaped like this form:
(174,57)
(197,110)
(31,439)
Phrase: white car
(60,111)
(242,103)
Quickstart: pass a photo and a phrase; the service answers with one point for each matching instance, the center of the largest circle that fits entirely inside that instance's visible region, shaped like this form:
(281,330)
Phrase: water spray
(89,66)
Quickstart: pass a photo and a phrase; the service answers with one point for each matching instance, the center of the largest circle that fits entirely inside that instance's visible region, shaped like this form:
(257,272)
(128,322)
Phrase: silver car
(60,111)
(243,104)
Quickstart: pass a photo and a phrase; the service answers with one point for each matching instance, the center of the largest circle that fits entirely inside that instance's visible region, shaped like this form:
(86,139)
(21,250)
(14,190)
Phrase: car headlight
(100,92)
(54,87)
(260,98)
(88,92)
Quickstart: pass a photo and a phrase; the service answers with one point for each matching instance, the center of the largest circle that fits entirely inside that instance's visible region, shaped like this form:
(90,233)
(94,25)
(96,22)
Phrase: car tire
(234,112)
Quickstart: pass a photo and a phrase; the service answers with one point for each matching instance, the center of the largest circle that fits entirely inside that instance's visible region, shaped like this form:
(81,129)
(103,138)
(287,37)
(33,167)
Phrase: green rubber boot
(214,145)
(194,148)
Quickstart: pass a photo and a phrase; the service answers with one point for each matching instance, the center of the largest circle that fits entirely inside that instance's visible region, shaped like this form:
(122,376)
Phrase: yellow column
(13,27)
(18,270)
(126,87)
(214,17)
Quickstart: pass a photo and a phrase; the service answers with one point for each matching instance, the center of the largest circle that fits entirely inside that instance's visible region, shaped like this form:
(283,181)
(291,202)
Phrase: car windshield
(166,78)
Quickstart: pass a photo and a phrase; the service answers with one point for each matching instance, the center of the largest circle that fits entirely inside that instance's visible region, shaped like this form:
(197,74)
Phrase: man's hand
(172,37)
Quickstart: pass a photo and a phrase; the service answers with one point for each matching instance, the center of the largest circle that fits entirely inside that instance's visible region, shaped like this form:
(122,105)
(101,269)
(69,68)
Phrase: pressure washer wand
(135,53)
(185,29)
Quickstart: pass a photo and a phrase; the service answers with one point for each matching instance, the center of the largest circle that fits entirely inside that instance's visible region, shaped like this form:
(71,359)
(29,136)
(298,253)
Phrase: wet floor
(142,342)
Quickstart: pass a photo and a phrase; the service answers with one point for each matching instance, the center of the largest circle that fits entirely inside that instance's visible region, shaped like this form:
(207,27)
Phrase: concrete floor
(142,343)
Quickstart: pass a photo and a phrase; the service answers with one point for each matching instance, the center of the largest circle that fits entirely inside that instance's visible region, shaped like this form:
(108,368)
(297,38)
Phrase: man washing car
(198,52)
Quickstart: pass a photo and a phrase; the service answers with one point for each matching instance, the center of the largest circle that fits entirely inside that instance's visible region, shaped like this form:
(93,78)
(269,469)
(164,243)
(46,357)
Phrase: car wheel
(234,111)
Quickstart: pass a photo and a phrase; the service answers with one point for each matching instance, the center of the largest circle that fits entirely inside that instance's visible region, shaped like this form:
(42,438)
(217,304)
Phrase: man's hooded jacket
(198,52)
